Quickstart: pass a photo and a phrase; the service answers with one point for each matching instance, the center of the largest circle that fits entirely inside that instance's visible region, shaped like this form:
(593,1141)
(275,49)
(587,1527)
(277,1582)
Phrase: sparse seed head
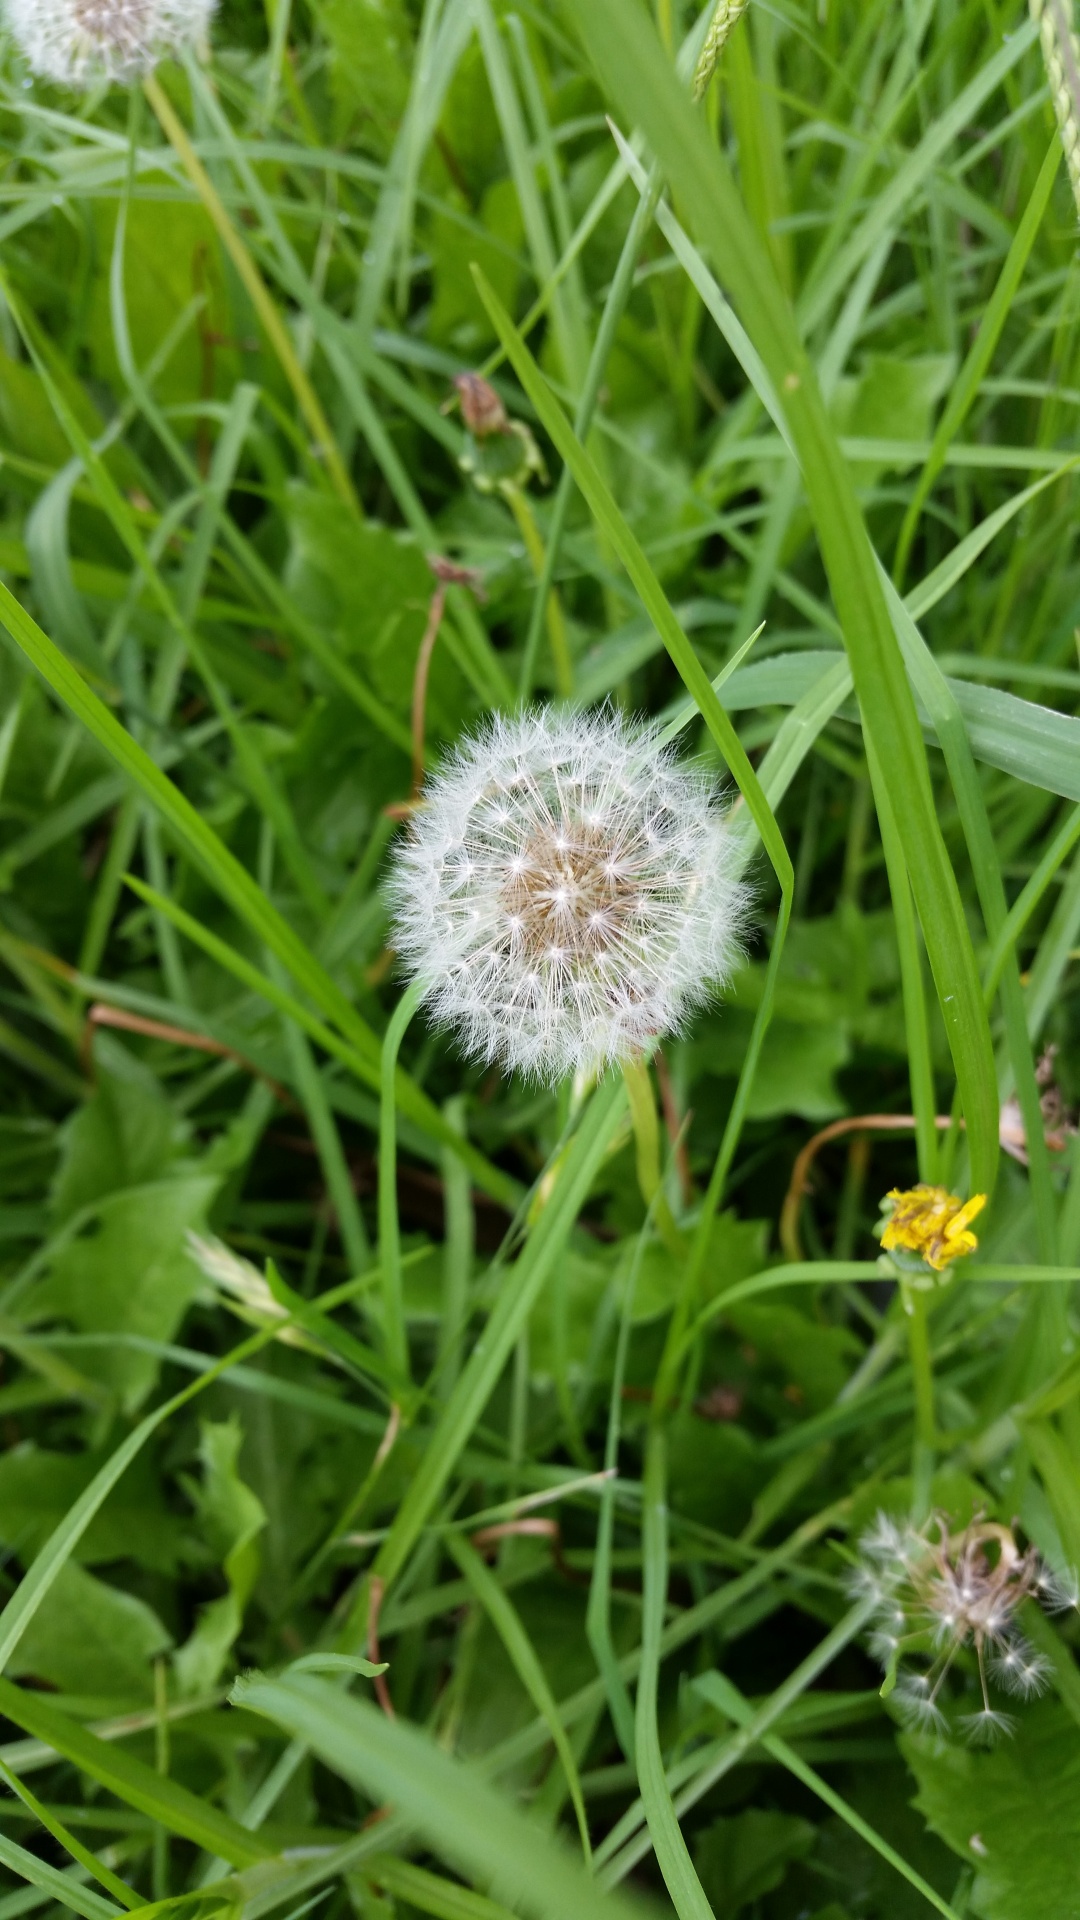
(942,1590)
(567,893)
(80,42)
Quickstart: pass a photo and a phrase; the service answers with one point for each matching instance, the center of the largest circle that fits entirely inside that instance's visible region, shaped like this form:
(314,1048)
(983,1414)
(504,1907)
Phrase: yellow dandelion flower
(931,1222)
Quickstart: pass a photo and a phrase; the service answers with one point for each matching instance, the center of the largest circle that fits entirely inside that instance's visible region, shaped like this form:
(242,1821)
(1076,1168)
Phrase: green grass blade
(132,1781)
(101,1873)
(491,1351)
(458,1814)
(627,54)
(672,1854)
(506,1620)
(966,386)
(219,866)
(54,1884)
(720,1692)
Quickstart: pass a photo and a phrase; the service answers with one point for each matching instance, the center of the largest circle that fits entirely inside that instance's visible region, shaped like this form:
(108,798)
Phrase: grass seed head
(567,893)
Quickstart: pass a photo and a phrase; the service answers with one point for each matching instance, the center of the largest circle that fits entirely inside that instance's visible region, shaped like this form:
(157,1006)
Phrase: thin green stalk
(459,1242)
(598,1613)
(672,1853)
(925,1441)
(646,1127)
(964,389)
(394,1329)
(614,306)
(916,1023)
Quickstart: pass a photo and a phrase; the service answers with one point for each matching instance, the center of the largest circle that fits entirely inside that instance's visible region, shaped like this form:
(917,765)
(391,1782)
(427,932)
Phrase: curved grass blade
(457,1813)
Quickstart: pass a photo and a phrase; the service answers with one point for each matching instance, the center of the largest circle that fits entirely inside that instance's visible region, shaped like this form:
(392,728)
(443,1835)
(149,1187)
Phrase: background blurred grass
(225,463)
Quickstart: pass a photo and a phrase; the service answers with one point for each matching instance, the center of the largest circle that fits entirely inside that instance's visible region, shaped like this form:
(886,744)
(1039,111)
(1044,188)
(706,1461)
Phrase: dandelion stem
(925,1432)
(647,1144)
(272,323)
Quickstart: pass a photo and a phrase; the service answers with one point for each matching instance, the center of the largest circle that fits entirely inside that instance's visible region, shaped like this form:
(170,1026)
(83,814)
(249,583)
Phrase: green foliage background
(839,299)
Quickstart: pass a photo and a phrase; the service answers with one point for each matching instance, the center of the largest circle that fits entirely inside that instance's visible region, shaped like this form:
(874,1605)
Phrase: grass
(474,1534)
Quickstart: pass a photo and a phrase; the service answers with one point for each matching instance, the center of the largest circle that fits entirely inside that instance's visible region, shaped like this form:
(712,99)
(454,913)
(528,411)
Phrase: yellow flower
(931,1222)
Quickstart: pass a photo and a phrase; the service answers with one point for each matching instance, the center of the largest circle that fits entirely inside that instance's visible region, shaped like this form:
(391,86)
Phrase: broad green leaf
(742,1856)
(1012,1815)
(91,1638)
(128,1270)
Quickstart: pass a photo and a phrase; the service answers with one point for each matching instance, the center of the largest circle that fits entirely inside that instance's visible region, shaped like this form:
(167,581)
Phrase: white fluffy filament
(567,893)
(80,42)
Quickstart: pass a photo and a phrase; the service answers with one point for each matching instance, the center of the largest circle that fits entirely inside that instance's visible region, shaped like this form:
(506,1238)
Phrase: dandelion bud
(79,42)
(567,893)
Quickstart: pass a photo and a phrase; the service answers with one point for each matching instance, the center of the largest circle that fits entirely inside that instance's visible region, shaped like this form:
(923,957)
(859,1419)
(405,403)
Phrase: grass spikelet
(1061,54)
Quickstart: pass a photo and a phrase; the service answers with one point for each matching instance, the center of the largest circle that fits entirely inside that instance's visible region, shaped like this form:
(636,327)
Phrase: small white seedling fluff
(567,892)
(80,42)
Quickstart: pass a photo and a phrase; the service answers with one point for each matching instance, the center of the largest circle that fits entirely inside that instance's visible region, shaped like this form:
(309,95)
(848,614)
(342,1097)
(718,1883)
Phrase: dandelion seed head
(935,1588)
(593,905)
(81,42)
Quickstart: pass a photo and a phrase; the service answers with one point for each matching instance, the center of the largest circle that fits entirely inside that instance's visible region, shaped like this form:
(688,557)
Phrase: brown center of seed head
(571,897)
(118,24)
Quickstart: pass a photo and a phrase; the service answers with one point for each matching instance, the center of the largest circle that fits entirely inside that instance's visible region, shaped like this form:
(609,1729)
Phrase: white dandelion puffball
(567,892)
(79,42)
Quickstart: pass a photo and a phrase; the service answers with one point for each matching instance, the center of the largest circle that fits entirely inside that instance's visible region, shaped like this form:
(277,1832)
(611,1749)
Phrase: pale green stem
(394,1332)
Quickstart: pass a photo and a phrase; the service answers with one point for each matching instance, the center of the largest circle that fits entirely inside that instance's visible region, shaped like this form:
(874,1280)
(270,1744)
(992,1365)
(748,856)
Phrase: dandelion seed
(1020,1670)
(605,887)
(986,1728)
(80,42)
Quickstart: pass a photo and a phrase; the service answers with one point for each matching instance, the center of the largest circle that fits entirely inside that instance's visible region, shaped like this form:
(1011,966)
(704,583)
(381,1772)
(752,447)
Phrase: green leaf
(38,1485)
(92,1639)
(746,1855)
(231,1517)
(1013,1815)
(230,879)
(127,1270)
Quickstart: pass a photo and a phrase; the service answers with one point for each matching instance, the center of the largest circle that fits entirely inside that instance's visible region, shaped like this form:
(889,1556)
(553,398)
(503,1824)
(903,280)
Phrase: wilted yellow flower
(931,1222)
